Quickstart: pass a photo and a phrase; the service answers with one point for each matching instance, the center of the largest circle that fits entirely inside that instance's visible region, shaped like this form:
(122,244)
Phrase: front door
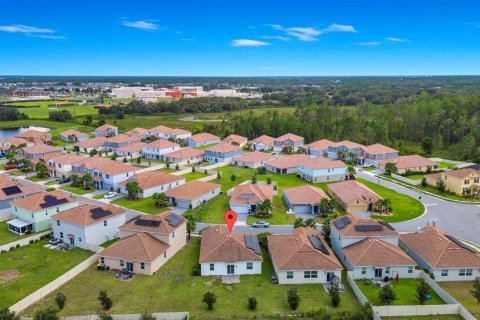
(230,269)
(72,241)
(130,266)
(378,272)
(330,276)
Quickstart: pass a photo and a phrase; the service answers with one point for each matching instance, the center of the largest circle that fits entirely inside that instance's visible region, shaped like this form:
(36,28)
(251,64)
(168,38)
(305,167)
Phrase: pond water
(11,132)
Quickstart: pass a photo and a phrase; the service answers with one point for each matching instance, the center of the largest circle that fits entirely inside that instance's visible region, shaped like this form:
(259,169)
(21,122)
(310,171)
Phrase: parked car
(260,224)
(367,165)
(62,180)
(111,194)
(274,279)
(10,167)
(55,241)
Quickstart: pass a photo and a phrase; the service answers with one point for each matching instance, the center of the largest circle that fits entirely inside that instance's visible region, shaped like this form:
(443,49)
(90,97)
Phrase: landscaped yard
(7,236)
(77,190)
(33,266)
(445,165)
(34,178)
(99,196)
(405,289)
(145,205)
(51,183)
(194,175)
(460,290)
(404,207)
(173,288)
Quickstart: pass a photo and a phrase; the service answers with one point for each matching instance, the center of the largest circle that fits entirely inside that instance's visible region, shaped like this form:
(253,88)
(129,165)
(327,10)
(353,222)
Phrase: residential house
(33,213)
(345,150)
(322,170)
(413,162)
(318,148)
(221,152)
(236,140)
(142,133)
(61,165)
(223,253)
(443,255)
(159,132)
(72,135)
(252,160)
(131,151)
(303,257)
(304,199)
(246,197)
(288,140)
(192,194)
(12,189)
(375,153)
(164,132)
(185,155)
(106,130)
(202,139)
(151,182)
(91,144)
(38,151)
(88,225)
(179,134)
(114,143)
(353,196)
(6,143)
(36,136)
(463,182)
(262,143)
(157,148)
(286,164)
(146,243)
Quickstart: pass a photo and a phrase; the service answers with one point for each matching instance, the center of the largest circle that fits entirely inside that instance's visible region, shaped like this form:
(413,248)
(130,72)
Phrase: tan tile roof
(351,190)
(138,247)
(137,131)
(205,136)
(462,173)
(348,144)
(218,245)
(150,179)
(439,251)
(41,148)
(164,227)
(223,147)
(179,131)
(84,215)
(136,147)
(161,129)
(251,193)
(263,139)
(350,231)
(192,190)
(92,162)
(91,143)
(435,176)
(74,132)
(378,253)
(254,157)
(122,138)
(411,161)
(235,138)
(33,202)
(285,162)
(322,163)
(27,189)
(296,252)
(161,144)
(65,158)
(304,195)
(378,148)
(185,153)
(13,141)
(289,136)
(32,134)
(115,167)
(105,127)
(320,145)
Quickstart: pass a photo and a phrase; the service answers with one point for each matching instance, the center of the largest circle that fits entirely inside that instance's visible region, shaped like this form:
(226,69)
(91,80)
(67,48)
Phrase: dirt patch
(9,275)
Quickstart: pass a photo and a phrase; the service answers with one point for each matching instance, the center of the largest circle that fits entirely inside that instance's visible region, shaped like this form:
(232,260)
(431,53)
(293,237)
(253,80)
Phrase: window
(165,254)
(58,222)
(461,272)
(444,273)
(122,263)
(410,269)
(105,223)
(467,181)
(107,176)
(102,260)
(249,265)
(468,272)
(307,274)
(61,234)
(79,239)
(475,180)
(173,234)
(289,274)
(387,270)
(15,209)
(212,267)
(314,274)
(57,209)
(364,270)
(142,265)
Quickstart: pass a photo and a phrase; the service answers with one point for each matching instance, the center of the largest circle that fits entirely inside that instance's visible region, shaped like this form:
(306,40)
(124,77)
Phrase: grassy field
(415,176)
(193,175)
(213,210)
(145,205)
(404,207)
(173,288)
(37,267)
(405,290)
(41,112)
(77,190)
(460,290)
(7,236)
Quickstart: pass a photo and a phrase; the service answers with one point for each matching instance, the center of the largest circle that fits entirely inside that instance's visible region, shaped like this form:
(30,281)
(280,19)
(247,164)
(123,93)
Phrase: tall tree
(133,189)
(427,145)
(475,292)
(160,199)
(423,291)
(191,223)
(387,295)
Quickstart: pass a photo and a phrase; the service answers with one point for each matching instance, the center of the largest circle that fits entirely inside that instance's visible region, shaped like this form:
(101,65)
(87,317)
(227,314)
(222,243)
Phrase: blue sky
(239,38)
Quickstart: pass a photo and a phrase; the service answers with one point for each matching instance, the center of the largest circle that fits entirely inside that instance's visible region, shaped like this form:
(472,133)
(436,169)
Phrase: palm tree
(341,155)
(133,189)
(387,205)
(87,181)
(352,156)
(11,153)
(76,181)
(160,200)
(324,207)
(41,169)
(310,222)
(351,171)
(390,168)
(191,224)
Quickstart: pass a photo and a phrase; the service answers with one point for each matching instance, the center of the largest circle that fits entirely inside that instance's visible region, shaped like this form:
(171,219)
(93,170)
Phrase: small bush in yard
(147,316)
(60,300)
(293,299)
(105,300)
(252,303)
(105,316)
(210,299)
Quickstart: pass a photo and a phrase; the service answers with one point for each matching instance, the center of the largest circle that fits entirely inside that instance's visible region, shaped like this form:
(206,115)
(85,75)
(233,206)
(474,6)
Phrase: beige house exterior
(353,196)
(409,163)
(462,182)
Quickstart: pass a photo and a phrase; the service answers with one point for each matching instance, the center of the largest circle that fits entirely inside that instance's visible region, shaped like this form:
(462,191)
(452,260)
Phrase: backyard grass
(109,243)
(415,176)
(212,211)
(460,290)
(145,205)
(77,190)
(36,179)
(51,183)
(193,175)
(7,236)
(172,288)
(403,207)
(99,196)
(405,289)
(37,267)
(446,165)
(205,146)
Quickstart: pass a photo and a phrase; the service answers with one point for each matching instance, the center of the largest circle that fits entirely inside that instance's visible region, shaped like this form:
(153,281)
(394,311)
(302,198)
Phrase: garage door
(183,204)
(356,208)
(302,209)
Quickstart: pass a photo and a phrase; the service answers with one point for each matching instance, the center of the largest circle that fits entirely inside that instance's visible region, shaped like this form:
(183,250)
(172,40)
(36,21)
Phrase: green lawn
(446,165)
(194,175)
(460,290)
(109,242)
(42,111)
(100,196)
(415,176)
(7,236)
(77,190)
(213,210)
(433,317)
(36,179)
(37,266)
(405,289)
(51,183)
(173,288)
(204,147)
(404,207)
(143,205)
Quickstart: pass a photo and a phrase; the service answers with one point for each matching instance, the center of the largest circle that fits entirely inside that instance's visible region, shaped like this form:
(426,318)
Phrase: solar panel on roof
(147,223)
(342,222)
(367,227)
(318,244)
(98,213)
(51,201)
(460,243)
(11,190)
(252,243)
(173,219)
(386,224)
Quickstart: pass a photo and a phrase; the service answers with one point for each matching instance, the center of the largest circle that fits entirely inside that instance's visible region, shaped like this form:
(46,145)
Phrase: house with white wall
(262,143)
(304,199)
(157,148)
(185,155)
(114,143)
(223,253)
(321,169)
(106,130)
(60,165)
(252,160)
(202,139)
(286,164)
(237,140)
(192,194)
(151,182)
(221,152)
(72,135)
(318,148)
(131,151)
(91,144)
(246,197)
(290,140)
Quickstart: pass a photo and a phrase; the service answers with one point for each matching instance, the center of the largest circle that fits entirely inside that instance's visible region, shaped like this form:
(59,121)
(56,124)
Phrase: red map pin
(230,217)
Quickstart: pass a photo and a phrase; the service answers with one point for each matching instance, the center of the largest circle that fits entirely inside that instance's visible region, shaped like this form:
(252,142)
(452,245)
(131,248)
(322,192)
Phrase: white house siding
(128,154)
(454,275)
(305,208)
(240,208)
(252,165)
(95,234)
(157,189)
(196,159)
(154,153)
(149,267)
(280,171)
(298,276)
(192,143)
(262,146)
(240,268)
(402,272)
(322,175)
(185,203)
(112,182)
(41,220)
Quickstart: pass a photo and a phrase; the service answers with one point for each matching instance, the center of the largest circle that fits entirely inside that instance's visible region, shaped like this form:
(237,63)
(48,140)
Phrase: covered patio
(19,227)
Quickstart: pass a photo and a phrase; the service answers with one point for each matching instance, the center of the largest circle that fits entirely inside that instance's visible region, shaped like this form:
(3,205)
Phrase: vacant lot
(40,109)
(173,288)
(145,205)
(36,266)
(460,290)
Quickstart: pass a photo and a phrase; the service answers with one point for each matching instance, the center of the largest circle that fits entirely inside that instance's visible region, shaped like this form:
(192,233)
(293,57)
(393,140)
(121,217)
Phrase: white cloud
(51,37)
(369,43)
(143,25)
(339,28)
(24,29)
(311,33)
(276,38)
(248,43)
(393,39)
